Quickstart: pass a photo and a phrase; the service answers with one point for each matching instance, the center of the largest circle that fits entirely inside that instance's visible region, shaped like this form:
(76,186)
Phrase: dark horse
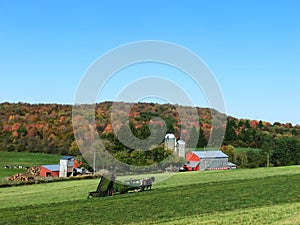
(146,183)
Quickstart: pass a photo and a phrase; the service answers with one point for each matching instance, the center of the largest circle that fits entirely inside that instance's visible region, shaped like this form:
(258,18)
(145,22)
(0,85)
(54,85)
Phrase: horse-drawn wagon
(139,184)
(109,187)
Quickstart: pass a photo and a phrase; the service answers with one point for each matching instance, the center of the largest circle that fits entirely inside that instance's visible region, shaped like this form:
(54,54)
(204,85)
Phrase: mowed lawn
(250,196)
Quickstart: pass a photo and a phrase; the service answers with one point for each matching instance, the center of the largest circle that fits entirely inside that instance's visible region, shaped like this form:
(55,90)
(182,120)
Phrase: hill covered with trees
(47,128)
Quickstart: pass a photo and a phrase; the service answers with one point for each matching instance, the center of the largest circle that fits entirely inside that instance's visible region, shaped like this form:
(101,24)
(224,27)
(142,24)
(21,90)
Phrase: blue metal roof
(67,157)
(54,167)
(193,164)
(210,154)
(231,164)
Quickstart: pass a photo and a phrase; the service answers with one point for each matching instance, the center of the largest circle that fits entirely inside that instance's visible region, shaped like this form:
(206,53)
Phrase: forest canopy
(47,128)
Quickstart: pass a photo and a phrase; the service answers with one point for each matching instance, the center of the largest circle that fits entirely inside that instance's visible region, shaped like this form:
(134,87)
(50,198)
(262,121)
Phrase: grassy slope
(24,159)
(257,196)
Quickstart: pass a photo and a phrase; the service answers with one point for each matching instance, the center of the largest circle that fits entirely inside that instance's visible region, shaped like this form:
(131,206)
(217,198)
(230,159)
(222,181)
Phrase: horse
(146,183)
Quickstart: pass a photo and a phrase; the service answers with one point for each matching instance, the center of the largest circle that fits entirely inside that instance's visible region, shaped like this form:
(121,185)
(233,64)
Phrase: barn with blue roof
(63,169)
(211,160)
(50,170)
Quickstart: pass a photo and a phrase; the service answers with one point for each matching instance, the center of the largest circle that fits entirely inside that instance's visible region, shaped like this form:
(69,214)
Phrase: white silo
(170,142)
(181,148)
(66,165)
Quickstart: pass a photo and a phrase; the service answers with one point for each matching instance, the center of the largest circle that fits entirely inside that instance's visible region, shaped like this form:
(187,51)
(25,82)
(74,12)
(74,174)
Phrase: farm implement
(109,187)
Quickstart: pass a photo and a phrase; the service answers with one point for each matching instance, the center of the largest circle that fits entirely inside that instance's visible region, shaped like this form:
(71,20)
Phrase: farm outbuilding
(180,148)
(50,170)
(192,166)
(66,165)
(212,160)
(170,142)
(63,169)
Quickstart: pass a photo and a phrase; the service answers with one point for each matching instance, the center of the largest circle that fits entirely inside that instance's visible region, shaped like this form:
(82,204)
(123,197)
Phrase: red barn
(50,170)
(201,160)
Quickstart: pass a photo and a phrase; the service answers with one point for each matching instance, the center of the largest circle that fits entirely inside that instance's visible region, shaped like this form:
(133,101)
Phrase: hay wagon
(108,187)
(139,184)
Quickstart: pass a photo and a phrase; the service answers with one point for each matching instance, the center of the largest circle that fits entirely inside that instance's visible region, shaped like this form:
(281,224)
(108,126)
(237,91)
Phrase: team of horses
(146,183)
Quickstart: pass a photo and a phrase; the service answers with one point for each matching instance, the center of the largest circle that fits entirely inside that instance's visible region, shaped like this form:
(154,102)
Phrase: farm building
(232,165)
(192,166)
(50,170)
(66,165)
(180,148)
(177,146)
(201,160)
(170,142)
(63,169)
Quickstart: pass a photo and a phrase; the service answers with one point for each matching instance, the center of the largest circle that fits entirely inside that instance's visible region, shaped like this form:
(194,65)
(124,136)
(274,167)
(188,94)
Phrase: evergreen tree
(202,142)
(230,135)
(260,125)
(192,140)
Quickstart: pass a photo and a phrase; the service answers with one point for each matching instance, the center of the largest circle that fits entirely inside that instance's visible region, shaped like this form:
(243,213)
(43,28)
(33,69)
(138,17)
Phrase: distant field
(247,196)
(24,159)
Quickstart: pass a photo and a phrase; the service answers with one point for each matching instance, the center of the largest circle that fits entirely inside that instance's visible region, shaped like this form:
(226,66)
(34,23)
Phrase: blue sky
(252,47)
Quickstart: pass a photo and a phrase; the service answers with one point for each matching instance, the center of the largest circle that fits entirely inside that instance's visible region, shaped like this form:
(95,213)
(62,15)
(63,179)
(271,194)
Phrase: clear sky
(252,47)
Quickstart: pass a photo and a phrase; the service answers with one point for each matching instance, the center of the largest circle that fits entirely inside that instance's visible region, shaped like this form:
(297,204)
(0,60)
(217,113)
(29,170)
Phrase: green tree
(202,142)
(138,158)
(247,124)
(253,158)
(260,125)
(192,140)
(267,147)
(242,159)
(287,151)
(230,135)
(230,151)
(170,127)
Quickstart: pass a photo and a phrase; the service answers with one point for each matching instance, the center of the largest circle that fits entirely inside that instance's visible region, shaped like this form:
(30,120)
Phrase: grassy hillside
(258,196)
(23,159)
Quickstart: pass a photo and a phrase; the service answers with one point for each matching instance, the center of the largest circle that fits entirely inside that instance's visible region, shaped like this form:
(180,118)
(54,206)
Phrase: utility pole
(205,159)
(268,159)
(94,164)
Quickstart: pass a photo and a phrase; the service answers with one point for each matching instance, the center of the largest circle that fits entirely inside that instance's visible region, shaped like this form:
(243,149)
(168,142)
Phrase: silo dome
(170,141)
(170,136)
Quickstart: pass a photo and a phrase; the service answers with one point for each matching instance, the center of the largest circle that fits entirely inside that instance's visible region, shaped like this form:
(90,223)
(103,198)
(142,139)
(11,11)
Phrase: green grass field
(247,196)
(24,159)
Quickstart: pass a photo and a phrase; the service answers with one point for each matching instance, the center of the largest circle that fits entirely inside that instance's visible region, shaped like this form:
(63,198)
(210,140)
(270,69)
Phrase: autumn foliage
(48,128)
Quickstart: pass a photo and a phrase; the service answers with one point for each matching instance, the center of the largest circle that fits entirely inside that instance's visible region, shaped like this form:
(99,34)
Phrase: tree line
(47,128)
